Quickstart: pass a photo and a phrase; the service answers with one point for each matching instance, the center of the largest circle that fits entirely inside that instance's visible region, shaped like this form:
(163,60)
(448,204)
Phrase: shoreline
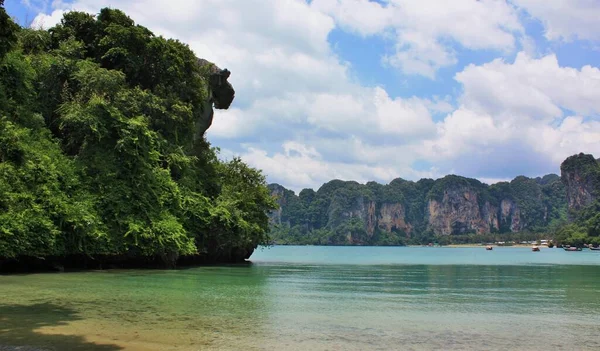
(494,245)
(445,246)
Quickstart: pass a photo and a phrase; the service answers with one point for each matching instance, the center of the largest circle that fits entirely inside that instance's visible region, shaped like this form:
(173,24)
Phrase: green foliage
(33,41)
(347,212)
(8,31)
(452,182)
(98,151)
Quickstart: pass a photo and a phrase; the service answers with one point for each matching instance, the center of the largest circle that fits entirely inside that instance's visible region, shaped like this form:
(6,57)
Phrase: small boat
(535,249)
(488,247)
(594,248)
(573,248)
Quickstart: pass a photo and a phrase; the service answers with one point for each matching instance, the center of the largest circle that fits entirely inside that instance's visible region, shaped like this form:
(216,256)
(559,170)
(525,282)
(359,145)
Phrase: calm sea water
(318,298)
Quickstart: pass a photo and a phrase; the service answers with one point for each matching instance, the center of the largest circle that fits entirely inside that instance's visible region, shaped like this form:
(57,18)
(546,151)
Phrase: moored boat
(572,248)
(489,247)
(535,249)
(595,248)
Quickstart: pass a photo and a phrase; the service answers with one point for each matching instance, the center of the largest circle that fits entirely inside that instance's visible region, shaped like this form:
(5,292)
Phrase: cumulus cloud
(422,30)
(519,113)
(566,19)
(528,87)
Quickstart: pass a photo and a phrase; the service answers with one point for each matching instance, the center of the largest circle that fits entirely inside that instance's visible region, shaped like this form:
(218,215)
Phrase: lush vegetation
(584,228)
(349,213)
(99,150)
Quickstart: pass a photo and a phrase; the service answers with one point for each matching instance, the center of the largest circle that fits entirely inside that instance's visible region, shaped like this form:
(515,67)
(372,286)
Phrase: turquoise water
(422,255)
(319,298)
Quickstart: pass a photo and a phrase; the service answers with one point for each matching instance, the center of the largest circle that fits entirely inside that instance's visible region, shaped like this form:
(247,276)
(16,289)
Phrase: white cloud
(566,19)
(511,116)
(360,16)
(465,131)
(530,88)
(368,112)
(424,31)
(372,113)
(572,136)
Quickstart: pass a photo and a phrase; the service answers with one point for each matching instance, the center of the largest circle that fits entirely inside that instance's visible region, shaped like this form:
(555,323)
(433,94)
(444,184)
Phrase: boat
(572,248)
(535,249)
(488,247)
(594,248)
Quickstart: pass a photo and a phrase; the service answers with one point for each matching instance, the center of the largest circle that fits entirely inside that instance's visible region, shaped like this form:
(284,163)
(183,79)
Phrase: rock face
(510,215)
(376,214)
(278,192)
(392,217)
(220,94)
(581,176)
(459,212)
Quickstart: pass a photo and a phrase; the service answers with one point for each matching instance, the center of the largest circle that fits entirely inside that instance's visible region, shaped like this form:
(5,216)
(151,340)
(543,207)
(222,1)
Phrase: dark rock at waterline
(27,264)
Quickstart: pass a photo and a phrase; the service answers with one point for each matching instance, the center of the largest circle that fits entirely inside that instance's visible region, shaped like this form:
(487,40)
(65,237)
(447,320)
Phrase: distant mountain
(349,213)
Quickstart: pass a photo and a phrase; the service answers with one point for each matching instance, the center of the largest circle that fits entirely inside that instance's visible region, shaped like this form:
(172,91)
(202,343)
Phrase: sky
(375,90)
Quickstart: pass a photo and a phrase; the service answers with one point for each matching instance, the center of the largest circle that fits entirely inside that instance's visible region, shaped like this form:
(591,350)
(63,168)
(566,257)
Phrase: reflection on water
(295,306)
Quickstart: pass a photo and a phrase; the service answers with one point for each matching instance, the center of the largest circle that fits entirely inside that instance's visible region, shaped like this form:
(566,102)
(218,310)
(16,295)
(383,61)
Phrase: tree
(8,31)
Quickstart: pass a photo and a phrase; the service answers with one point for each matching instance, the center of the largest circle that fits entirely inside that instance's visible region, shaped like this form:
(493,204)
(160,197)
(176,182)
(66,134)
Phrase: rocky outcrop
(581,176)
(220,94)
(460,212)
(392,217)
(510,216)
(279,193)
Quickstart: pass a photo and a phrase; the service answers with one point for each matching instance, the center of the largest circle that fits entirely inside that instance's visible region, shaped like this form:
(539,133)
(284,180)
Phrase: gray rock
(221,94)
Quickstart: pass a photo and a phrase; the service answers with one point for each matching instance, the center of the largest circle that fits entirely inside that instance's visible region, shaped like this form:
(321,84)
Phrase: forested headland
(103,158)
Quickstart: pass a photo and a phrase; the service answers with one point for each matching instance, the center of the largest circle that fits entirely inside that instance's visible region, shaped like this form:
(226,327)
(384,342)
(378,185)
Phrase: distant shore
(479,245)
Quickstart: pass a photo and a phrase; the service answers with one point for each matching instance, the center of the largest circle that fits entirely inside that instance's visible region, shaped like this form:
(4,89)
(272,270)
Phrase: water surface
(319,298)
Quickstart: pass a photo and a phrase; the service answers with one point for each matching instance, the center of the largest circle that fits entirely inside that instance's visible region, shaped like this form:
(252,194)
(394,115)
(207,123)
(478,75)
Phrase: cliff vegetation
(581,176)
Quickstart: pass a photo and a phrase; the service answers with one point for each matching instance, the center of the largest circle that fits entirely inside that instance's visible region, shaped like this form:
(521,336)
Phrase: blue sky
(364,90)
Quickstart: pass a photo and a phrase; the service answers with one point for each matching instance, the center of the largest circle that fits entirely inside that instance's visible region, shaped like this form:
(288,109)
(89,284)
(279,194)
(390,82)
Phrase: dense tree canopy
(99,153)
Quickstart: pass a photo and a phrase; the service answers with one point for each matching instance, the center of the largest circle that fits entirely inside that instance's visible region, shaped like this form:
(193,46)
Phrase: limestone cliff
(374,214)
(287,201)
(581,176)
(279,193)
(392,217)
(510,215)
(461,208)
